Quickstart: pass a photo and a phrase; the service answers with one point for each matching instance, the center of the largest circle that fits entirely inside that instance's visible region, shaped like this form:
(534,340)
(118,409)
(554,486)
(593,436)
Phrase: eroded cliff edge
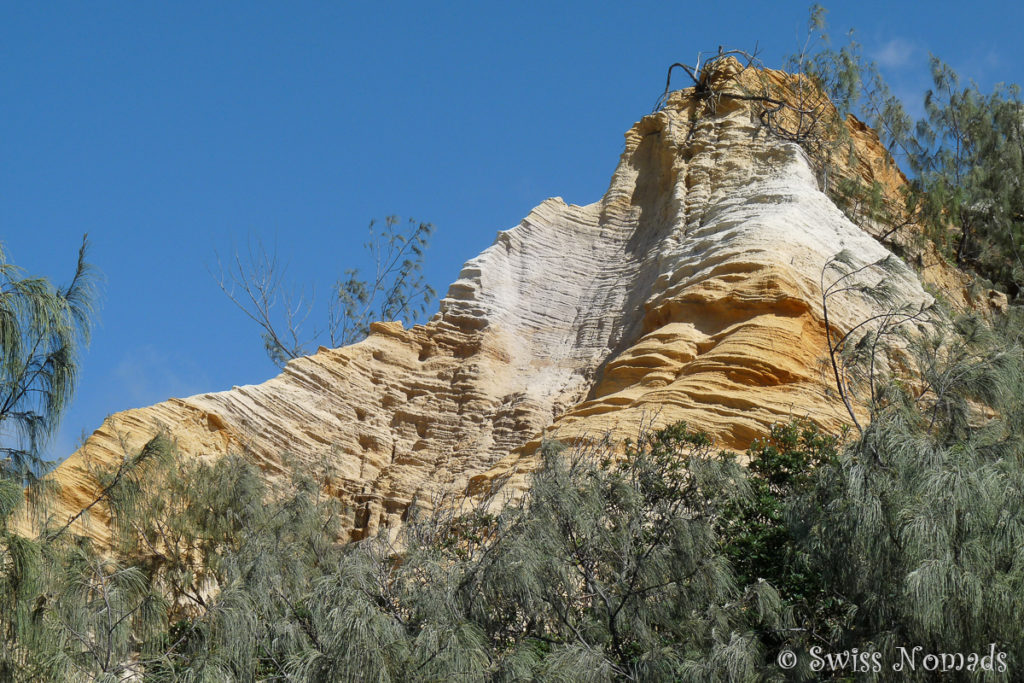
(689,291)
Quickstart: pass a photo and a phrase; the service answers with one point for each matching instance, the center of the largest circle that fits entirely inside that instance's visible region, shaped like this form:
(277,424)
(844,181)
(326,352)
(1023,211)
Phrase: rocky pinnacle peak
(690,291)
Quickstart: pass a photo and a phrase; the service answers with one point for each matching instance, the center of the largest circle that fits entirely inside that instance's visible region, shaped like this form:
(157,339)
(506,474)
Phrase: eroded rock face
(689,291)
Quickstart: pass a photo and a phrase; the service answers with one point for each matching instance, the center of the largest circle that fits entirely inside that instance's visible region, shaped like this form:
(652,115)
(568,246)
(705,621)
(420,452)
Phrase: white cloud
(149,375)
(895,54)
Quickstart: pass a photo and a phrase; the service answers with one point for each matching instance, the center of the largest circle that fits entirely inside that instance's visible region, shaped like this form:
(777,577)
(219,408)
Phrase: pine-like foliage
(759,539)
(611,567)
(42,329)
(69,612)
(965,157)
(968,165)
(661,560)
(615,566)
(235,558)
(920,523)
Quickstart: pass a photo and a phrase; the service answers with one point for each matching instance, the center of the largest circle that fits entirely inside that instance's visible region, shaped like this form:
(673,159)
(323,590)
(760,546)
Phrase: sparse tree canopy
(42,330)
(258,284)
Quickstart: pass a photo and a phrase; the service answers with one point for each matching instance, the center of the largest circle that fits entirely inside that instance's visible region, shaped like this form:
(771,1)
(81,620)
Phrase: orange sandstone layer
(690,291)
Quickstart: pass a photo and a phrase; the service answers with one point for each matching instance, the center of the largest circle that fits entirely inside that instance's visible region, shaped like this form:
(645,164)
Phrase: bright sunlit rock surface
(690,291)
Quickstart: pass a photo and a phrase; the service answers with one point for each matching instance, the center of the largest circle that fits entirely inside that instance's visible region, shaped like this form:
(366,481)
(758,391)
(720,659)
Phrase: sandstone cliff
(690,291)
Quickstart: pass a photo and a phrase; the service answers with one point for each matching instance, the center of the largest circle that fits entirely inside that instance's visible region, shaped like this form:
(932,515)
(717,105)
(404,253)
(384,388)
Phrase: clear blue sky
(168,131)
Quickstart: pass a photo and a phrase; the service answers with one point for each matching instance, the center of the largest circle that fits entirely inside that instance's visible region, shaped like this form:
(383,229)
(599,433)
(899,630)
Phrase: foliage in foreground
(612,567)
(670,561)
(42,329)
(965,156)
